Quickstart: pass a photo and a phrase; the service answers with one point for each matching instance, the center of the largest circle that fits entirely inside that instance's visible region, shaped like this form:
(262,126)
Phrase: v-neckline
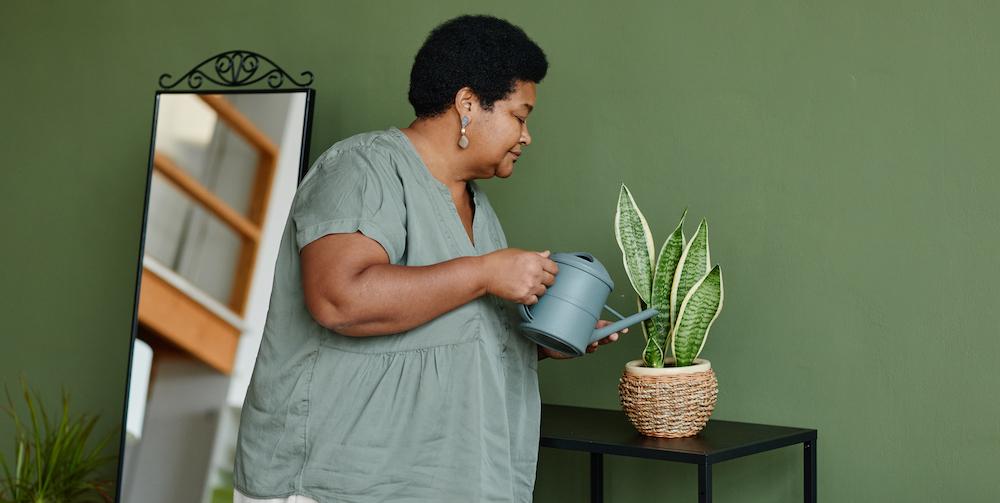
(446,194)
(472,224)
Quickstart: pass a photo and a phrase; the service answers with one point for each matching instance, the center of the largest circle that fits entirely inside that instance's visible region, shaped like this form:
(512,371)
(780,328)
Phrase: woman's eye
(519,119)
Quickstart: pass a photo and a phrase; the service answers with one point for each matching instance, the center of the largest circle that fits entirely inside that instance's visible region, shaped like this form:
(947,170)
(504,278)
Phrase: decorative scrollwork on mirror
(236,69)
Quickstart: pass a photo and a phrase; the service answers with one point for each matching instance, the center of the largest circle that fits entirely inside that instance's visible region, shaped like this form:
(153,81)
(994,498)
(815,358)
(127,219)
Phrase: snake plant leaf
(698,312)
(663,277)
(653,353)
(636,242)
(695,263)
(640,307)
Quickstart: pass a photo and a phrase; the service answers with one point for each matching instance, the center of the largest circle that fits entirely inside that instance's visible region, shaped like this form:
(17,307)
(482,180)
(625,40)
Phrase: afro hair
(484,53)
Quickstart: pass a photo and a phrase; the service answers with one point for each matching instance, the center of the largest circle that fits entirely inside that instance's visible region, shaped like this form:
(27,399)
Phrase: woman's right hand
(519,275)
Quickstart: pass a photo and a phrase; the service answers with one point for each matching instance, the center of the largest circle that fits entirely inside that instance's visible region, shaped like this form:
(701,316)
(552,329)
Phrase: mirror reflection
(224,171)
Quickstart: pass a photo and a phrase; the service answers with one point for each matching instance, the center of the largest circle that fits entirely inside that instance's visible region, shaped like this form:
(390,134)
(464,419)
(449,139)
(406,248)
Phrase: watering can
(564,317)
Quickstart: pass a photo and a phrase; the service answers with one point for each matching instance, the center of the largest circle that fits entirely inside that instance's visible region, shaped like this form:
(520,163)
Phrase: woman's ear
(465,102)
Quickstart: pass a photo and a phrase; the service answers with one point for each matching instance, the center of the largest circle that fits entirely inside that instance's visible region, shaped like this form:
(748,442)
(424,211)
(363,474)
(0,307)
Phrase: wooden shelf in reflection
(167,311)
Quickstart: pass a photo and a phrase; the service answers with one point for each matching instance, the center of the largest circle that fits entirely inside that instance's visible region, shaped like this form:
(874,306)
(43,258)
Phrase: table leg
(809,475)
(705,482)
(596,477)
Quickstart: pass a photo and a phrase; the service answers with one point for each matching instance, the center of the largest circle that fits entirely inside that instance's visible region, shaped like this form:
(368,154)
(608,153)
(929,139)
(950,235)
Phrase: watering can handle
(624,322)
(525,312)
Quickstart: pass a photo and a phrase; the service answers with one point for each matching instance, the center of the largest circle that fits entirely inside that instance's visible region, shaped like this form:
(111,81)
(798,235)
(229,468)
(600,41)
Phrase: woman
(391,368)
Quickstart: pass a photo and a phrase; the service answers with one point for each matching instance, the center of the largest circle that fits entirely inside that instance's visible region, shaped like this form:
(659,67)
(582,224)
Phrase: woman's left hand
(590,349)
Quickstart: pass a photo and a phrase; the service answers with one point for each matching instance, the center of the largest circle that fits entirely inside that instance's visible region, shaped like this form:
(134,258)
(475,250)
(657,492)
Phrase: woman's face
(498,135)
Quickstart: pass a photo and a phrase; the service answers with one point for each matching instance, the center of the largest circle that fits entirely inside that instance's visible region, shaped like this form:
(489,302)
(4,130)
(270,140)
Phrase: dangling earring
(463,142)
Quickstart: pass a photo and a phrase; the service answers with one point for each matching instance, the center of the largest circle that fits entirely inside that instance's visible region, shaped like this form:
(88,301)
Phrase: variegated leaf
(636,242)
(698,312)
(653,353)
(640,307)
(694,263)
(663,278)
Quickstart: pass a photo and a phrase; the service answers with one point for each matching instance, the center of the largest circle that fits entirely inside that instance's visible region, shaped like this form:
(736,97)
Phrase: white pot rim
(635,367)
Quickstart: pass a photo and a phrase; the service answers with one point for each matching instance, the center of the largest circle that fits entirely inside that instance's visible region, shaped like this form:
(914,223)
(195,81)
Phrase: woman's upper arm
(349,215)
(331,268)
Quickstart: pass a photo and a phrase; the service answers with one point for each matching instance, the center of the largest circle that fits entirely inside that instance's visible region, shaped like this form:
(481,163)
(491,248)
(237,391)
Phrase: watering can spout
(624,322)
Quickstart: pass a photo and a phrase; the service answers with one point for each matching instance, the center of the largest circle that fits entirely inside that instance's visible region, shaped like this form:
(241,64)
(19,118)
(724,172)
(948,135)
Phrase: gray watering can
(564,317)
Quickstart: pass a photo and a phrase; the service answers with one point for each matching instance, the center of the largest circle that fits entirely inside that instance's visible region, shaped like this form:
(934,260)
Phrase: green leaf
(652,354)
(636,242)
(641,306)
(694,264)
(663,278)
(56,460)
(699,310)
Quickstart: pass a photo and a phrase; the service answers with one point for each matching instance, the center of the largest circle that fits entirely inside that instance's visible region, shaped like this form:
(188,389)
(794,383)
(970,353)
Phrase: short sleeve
(349,191)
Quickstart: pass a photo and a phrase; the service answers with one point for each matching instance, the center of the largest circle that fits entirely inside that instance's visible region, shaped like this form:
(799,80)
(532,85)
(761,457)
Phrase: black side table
(601,432)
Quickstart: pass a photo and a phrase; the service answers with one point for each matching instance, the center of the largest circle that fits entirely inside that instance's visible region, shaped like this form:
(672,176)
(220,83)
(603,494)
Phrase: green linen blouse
(445,412)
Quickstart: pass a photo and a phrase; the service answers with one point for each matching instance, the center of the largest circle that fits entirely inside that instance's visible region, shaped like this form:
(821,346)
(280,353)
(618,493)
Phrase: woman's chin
(505,170)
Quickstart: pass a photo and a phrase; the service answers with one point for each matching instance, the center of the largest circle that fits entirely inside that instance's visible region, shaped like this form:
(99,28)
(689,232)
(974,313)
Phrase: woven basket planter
(668,402)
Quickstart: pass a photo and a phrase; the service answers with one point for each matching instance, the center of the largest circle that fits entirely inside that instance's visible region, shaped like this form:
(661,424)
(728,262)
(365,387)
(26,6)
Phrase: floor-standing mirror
(229,146)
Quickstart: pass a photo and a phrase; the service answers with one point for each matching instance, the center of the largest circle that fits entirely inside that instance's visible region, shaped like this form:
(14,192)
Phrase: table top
(610,432)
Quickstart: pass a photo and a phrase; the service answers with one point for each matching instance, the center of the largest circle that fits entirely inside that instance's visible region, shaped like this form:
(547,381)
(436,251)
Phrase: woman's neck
(437,144)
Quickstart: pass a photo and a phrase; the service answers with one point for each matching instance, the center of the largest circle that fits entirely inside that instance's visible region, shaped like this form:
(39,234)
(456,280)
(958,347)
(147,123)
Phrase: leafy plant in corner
(679,283)
(54,461)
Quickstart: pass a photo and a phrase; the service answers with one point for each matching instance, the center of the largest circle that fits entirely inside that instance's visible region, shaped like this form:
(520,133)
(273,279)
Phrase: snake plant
(680,283)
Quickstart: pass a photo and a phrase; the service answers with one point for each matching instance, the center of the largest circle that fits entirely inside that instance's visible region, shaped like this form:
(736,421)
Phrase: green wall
(844,153)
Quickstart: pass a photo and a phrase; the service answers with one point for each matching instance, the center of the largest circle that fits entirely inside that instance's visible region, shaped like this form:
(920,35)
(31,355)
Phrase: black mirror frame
(234,72)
